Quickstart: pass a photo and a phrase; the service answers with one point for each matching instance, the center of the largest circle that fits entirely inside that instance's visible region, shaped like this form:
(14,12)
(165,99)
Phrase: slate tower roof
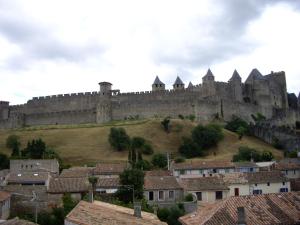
(254,75)
(209,75)
(178,81)
(235,76)
(157,81)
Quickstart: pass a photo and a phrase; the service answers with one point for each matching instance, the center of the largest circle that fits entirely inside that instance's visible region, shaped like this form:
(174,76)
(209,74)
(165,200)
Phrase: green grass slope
(84,144)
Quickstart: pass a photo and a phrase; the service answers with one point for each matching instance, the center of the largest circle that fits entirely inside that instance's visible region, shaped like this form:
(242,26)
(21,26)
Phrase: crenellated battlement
(61,96)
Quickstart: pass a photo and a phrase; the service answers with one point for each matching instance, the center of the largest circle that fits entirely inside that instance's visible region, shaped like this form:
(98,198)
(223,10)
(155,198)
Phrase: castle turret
(104,108)
(299,100)
(208,83)
(4,110)
(158,85)
(190,86)
(235,84)
(178,85)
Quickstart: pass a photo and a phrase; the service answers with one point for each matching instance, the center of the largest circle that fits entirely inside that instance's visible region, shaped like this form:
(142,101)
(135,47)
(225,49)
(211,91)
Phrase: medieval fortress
(207,101)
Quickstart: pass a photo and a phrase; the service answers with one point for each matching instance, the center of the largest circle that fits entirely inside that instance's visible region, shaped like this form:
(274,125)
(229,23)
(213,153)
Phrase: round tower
(105,88)
(158,85)
(208,84)
(235,84)
(178,84)
(104,108)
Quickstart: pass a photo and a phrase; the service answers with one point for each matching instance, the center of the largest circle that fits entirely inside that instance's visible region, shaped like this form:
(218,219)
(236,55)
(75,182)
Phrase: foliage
(159,160)
(166,124)
(246,154)
(191,117)
(35,149)
(179,160)
(258,117)
(131,177)
(56,217)
(4,161)
(171,215)
(181,117)
(190,149)
(143,165)
(13,143)
(292,154)
(236,123)
(68,203)
(241,131)
(276,143)
(147,149)
(207,136)
(189,198)
(119,139)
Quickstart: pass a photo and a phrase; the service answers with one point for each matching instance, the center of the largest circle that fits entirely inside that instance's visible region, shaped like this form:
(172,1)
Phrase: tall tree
(13,143)
(119,139)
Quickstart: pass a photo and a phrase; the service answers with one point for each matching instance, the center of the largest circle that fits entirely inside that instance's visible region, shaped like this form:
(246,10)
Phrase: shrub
(119,139)
(159,160)
(163,214)
(236,123)
(179,160)
(266,156)
(190,149)
(189,198)
(143,165)
(4,161)
(277,143)
(246,154)
(207,136)
(166,124)
(191,117)
(181,117)
(147,150)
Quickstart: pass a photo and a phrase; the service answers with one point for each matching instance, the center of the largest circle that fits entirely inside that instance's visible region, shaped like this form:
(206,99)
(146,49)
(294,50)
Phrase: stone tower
(158,85)
(104,108)
(235,84)
(4,110)
(178,84)
(208,83)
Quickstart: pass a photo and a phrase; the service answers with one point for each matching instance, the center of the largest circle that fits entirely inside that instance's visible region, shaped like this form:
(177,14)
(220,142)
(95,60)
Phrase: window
(268,183)
(255,185)
(294,171)
(204,175)
(214,170)
(251,169)
(236,192)
(286,172)
(284,190)
(257,192)
(151,197)
(171,194)
(161,195)
(210,175)
(219,195)
(199,196)
(200,171)
(181,172)
(283,183)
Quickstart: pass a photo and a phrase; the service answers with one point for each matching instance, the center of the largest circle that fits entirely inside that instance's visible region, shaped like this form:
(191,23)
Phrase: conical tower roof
(178,81)
(209,74)
(157,81)
(299,97)
(255,75)
(190,85)
(235,76)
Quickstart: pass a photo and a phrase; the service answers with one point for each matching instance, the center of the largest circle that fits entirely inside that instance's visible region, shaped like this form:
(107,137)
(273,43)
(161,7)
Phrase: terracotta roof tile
(68,185)
(28,177)
(266,176)
(203,184)
(109,168)
(287,166)
(269,209)
(161,183)
(234,178)
(77,172)
(17,221)
(108,182)
(100,213)
(158,173)
(4,195)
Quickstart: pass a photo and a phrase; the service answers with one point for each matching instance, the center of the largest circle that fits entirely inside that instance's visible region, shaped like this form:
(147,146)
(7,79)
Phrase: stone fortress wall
(211,99)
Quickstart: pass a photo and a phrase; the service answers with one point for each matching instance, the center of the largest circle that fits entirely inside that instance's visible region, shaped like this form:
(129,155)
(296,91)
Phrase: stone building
(211,99)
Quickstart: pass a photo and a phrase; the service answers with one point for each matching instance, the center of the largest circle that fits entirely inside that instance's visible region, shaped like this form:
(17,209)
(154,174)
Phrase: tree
(143,165)
(13,143)
(248,154)
(4,161)
(266,156)
(166,124)
(159,160)
(190,149)
(119,139)
(241,131)
(68,203)
(236,123)
(207,136)
(131,178)
(93,181)
(35,149)
(171,215)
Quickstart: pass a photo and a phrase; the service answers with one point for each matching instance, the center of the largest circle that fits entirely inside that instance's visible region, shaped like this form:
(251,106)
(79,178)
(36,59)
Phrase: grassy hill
(84,144)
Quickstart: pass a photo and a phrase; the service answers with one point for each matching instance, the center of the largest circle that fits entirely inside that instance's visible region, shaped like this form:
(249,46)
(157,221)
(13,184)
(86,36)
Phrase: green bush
(207,136)
(143,165)
(246,154)
(189,198)
(236,123)
(190,149)
(179,160)
(170,216)
(181,117)
(160,160)
(166,124)
(119,139)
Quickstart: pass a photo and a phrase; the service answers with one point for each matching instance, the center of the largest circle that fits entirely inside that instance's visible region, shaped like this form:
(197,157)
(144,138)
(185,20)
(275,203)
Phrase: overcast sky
(52,47)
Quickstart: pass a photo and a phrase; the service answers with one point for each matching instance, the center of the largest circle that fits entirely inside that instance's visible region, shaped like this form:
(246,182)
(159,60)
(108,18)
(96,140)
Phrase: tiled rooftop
(68,185)
(158,173)
(28,177)
(17,221)
(77,172)
(100,213)
(203,165)
(108,182)
(234,178)
(161,183)
(203,184)
(109,168)
(4,195)
(266,176)
(269,209)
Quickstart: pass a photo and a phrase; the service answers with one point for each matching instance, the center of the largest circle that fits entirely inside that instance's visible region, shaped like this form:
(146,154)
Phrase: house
(207,189)
(237,183)
(4,205)
(101,213)
(107,170)
(17,221)
(158,173)
(290,168)
(3,175)
(266,166)
(202,168)
(246,167)
(108,185)
(268,182)
(162,191)
(34,165)
(76,186)
(28,178)
(267,209)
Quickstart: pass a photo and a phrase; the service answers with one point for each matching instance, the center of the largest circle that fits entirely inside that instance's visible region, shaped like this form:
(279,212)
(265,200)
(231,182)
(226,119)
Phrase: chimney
(241,216)
(137,209)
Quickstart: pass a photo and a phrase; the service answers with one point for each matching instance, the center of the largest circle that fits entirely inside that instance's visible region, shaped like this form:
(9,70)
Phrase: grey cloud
(225,33)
